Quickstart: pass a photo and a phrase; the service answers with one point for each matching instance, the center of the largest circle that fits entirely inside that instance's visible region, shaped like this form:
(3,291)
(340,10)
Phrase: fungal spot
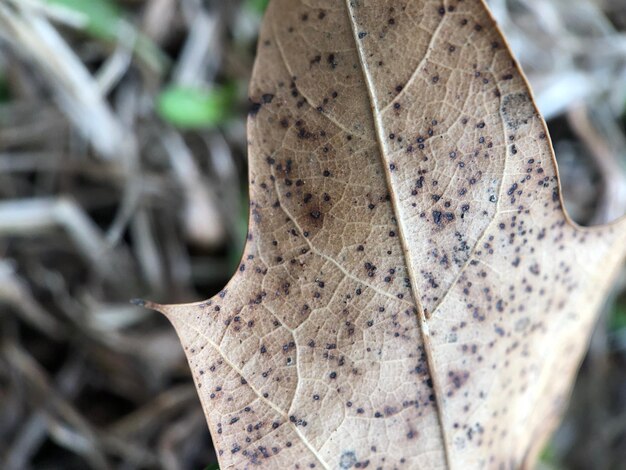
(254,109)
(517,110)
(437,215)
(458,378)
(347,460)
(332,61)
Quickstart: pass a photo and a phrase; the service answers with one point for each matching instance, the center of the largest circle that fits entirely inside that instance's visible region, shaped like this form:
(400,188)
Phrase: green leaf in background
(103,18)
(548,459)
(213,466)
(196,108)
(618,317)
(258,6)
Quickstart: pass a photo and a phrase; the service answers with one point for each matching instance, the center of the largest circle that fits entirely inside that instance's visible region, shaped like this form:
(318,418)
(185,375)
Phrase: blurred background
(123,174)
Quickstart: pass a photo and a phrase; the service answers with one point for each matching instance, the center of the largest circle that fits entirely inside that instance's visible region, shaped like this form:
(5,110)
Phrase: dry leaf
(412,294)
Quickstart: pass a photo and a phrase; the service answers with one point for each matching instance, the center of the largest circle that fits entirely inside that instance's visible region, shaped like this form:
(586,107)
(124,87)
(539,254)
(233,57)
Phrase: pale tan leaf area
(412,294)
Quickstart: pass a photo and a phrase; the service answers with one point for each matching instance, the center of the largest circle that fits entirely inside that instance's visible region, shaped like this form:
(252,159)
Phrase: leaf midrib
(422,321)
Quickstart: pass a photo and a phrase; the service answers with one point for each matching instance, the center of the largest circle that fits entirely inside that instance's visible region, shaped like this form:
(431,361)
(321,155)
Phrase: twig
(77,92)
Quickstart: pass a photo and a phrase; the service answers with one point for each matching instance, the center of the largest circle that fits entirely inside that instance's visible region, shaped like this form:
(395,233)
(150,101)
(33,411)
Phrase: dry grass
(102,200)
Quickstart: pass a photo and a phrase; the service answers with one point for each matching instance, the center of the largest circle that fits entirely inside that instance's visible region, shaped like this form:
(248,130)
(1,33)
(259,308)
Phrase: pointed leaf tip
(148,304)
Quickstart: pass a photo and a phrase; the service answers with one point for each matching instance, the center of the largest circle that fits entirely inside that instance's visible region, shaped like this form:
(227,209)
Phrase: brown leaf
(412,294)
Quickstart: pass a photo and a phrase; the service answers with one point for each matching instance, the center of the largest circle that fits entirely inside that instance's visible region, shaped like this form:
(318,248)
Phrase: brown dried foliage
(412,294)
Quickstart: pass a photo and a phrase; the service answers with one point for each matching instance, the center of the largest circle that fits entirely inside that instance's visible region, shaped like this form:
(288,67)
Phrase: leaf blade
(319,315)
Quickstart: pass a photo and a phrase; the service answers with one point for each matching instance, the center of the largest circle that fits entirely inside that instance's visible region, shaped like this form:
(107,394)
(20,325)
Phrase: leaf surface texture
(412,294)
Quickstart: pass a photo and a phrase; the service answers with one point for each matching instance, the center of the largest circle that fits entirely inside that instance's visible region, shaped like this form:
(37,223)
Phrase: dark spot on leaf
(517,110)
